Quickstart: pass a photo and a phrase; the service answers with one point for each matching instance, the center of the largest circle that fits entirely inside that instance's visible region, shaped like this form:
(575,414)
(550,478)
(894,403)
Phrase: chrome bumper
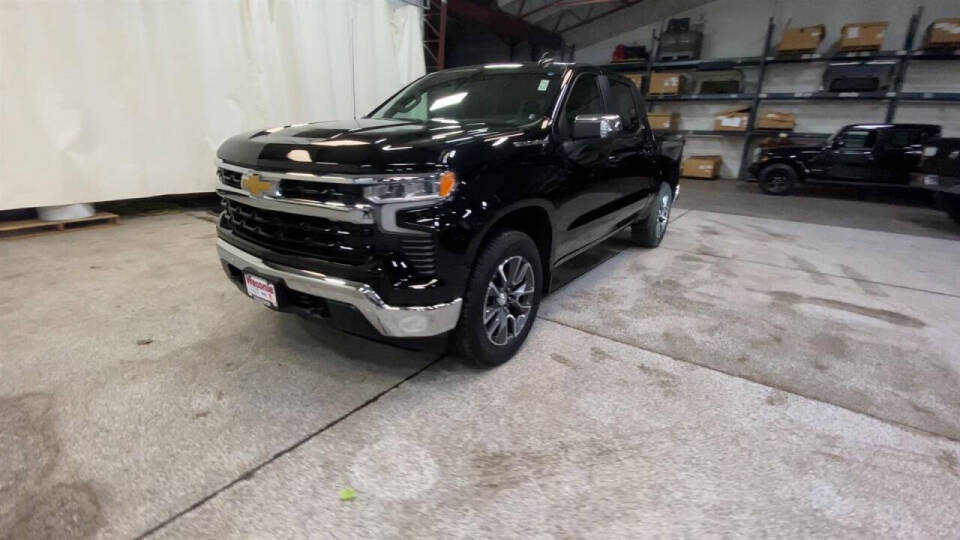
(414,321)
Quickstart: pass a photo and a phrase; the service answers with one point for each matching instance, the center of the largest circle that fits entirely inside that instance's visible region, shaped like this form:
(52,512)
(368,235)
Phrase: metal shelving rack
(894,97)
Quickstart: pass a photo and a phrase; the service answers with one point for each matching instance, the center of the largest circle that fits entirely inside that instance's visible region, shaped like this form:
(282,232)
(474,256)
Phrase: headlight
(438,186)
(929,151)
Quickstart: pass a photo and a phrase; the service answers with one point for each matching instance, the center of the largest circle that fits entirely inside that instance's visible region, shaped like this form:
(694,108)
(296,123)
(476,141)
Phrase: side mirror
(838,143)
(592,126)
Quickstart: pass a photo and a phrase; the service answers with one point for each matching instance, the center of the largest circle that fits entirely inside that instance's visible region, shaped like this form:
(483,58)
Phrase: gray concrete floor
(751,377)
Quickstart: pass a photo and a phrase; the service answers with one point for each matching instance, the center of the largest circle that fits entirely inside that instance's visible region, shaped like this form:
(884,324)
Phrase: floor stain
(885,315)
(599,355)
(871,289)
(776,398)
(812,269)
(948,460)
(61,511)
(561,359)
(32,505)
(829,345)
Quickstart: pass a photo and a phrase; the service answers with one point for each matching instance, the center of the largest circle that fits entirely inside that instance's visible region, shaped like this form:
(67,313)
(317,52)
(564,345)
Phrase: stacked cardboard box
(663,120)
(776,120)
(804,39)
(706,167)
(735,119)
(862,36)
(943,33)
(667,84)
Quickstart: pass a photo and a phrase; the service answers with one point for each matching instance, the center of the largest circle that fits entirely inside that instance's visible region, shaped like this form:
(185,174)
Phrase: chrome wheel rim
(509,300)
(778,181)
(663,214)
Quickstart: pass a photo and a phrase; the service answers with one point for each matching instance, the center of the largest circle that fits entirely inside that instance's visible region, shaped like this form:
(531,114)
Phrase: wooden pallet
(30,227)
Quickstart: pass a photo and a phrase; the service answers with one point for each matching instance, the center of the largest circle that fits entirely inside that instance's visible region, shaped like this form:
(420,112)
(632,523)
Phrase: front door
(584,162)
(851,157)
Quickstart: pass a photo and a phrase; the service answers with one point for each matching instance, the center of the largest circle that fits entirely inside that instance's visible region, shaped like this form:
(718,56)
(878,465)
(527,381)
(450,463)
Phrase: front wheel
(649,232)
(501,300)
(777,179)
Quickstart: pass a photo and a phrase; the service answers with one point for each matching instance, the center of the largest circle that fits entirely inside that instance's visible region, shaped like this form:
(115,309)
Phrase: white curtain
(103,100)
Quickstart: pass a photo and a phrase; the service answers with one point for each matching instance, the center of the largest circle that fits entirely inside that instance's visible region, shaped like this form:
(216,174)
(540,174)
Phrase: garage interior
(780,366)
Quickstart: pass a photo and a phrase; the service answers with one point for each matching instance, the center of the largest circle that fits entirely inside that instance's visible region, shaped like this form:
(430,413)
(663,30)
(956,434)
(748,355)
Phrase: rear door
(632,160)
(899,153)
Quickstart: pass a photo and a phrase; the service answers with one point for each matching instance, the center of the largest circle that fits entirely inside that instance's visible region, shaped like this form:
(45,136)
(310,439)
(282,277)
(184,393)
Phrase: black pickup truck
(939,172)
(867,154)
(445,209)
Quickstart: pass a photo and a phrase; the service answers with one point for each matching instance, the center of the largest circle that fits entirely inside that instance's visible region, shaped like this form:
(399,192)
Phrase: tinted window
(899,138)
(584,99)
(858,138)
(625,105)
(495,95)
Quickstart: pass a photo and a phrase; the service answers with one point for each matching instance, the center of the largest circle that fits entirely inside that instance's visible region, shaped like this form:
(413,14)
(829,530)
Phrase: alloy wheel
(508,301)
(663,214)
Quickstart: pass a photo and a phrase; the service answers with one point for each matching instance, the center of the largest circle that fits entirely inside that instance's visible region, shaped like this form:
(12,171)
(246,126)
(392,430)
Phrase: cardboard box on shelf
(663,120)
(943,33)
(667,84)
(776,120)
(707,167)
(862,36)
(802,39)
(637,78)
(735,119)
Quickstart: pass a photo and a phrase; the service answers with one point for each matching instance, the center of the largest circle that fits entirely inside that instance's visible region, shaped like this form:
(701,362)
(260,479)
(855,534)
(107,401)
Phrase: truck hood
(364,145)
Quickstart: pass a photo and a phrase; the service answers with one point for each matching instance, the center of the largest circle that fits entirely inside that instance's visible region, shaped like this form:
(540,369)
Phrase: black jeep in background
(445,209)
(939,171)
(866,154)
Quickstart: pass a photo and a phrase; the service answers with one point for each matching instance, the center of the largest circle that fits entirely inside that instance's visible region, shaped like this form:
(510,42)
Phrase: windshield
(488,95)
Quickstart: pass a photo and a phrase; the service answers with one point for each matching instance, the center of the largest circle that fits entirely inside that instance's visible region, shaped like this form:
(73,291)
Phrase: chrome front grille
(229,178)
(335,241)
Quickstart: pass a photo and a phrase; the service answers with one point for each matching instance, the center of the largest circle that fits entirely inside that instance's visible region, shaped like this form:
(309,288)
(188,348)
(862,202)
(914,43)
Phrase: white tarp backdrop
(103,100)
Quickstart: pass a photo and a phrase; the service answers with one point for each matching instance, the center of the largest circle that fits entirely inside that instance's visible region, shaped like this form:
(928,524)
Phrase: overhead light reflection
(447,101)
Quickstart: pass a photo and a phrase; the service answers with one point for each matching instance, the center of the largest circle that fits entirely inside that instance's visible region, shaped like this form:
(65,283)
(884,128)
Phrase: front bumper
(391,321)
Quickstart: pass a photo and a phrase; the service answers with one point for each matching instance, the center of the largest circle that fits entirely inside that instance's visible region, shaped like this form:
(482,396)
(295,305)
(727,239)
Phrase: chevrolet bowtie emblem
(255,185)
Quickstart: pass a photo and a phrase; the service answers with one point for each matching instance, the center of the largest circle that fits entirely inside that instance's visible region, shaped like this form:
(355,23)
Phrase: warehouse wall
(737,28)
(115,100)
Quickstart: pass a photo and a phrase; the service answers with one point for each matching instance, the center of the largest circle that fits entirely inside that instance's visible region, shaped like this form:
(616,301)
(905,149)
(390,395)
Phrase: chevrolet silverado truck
(445,210)
(939,172)
(865,154)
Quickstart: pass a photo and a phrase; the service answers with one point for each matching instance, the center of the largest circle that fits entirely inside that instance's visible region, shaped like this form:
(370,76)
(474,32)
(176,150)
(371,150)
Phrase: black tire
(778,179)
(649,232)
(470,337)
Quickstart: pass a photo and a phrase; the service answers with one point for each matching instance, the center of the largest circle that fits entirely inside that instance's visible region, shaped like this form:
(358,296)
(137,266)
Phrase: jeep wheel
(649,232)
(501,301)
(777,179)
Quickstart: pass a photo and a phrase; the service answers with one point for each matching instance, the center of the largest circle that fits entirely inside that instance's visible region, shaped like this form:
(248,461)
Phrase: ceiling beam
(510,26)
(623,5)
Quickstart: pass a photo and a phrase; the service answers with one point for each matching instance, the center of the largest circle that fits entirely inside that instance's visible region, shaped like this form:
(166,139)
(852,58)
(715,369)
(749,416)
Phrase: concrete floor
(753,376)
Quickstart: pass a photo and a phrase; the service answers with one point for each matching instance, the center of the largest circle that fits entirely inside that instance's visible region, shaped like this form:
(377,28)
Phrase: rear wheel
(777,179)
(649,232)
(501,301)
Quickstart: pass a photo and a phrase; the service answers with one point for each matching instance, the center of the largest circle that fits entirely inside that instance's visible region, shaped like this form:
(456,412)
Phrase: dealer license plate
(261,290)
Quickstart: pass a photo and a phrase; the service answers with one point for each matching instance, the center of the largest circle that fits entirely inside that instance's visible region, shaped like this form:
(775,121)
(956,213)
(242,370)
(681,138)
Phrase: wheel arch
(531,217)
